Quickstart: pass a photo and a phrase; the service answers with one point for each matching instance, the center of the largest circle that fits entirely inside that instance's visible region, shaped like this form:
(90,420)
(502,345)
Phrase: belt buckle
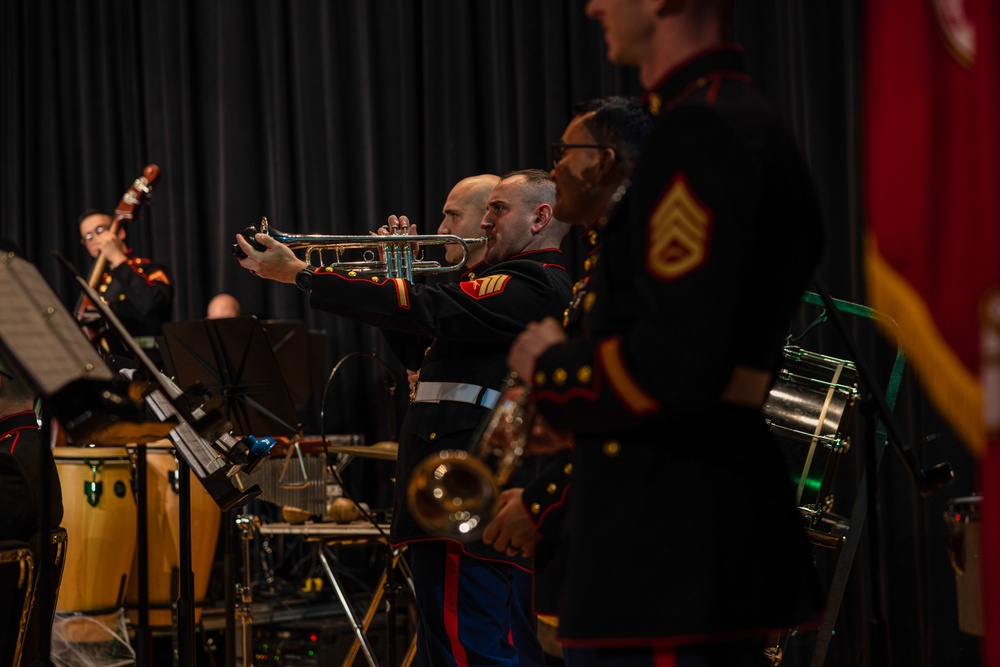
(413,390)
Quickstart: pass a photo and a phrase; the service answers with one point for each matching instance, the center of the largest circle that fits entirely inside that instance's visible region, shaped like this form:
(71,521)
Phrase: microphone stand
(876,409)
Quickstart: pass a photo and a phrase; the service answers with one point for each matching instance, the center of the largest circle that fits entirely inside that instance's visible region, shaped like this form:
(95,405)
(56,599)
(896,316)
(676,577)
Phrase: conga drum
(163,553)
(99,515)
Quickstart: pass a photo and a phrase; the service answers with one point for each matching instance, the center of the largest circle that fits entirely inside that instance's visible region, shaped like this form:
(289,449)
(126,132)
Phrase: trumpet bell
(453,494)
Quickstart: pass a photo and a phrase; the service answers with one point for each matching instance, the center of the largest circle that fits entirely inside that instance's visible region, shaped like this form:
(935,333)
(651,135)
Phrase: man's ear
(543,214)
(609,162)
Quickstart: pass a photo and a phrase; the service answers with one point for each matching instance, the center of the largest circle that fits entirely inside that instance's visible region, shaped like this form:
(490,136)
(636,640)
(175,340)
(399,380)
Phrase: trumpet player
(699,272)
(460,216)
(463,591)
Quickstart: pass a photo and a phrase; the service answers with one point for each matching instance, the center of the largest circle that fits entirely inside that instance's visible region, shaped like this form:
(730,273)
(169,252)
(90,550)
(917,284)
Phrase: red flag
(932,172)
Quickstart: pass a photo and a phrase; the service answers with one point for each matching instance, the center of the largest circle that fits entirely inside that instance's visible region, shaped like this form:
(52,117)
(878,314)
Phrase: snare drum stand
(247,524)
(881,428)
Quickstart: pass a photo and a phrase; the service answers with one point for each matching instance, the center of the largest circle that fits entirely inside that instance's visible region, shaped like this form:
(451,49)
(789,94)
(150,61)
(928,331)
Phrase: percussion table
(354,532)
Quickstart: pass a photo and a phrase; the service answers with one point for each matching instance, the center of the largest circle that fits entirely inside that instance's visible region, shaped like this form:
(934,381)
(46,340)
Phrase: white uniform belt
(434,392)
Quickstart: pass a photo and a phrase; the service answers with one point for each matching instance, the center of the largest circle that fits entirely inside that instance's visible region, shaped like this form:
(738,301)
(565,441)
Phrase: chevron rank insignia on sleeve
(484,287)
(679,233)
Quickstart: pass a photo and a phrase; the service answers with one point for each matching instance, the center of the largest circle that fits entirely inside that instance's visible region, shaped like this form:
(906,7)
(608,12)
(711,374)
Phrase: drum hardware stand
(242,608)
(143,633)
(390,589)
(880,429)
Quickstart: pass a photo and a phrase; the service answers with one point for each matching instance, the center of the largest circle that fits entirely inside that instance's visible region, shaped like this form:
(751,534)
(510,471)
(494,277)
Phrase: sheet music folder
(54,358)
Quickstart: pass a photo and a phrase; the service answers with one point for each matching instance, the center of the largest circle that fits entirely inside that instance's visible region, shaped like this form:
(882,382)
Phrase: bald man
(223,305)
(463,211)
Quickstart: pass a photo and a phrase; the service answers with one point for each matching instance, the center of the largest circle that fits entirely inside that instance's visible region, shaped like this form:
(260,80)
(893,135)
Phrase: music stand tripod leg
(373,607)
(345,603)
(369,616)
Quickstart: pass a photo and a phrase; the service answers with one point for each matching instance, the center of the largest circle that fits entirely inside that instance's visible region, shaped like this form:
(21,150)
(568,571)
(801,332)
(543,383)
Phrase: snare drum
(808,410)
(962,519)
(99,515)
(163,554)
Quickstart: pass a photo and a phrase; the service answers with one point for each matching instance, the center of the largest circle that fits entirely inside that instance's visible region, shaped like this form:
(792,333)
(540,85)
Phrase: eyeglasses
(89,236)
(559,150)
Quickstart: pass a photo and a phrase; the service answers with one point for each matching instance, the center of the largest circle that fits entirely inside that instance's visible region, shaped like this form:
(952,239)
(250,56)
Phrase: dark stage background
(328,116)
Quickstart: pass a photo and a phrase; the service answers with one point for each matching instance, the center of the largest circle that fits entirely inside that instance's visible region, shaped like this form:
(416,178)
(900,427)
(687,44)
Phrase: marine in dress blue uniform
(471,325)
(463,590)
(140,293)
(682,527)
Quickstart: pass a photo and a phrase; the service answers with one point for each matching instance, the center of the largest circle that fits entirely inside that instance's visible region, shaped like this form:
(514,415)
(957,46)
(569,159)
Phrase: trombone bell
(455,493)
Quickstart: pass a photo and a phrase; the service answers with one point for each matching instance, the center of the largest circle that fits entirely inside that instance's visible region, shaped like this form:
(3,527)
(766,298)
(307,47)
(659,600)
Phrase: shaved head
(462,213)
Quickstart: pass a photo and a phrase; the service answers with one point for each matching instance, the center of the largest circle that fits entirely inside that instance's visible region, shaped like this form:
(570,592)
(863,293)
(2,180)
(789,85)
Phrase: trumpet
(392,256)
(455,493)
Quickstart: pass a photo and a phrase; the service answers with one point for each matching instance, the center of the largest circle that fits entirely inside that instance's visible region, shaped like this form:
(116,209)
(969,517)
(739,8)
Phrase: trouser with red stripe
(471,611)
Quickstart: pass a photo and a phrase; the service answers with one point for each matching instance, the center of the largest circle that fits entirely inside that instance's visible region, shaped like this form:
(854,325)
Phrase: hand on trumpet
(398,226)
(276,262)
(511,530)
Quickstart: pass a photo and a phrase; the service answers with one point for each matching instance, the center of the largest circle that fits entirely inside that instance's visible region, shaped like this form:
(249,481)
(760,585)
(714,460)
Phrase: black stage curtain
(328,116)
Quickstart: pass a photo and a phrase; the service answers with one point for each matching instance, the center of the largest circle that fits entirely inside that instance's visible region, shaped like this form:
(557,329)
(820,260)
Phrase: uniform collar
(683,78)
(471,272)
(18,421)
(543,255)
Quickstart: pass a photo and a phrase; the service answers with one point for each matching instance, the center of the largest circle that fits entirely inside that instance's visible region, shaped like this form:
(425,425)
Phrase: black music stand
(290,343)
(233,359)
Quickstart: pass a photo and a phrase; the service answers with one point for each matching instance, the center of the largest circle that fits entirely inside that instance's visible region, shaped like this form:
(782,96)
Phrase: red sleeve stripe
(402,293)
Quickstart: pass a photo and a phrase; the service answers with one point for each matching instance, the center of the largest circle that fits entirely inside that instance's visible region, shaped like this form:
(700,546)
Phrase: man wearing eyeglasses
(138,290)
(591,163)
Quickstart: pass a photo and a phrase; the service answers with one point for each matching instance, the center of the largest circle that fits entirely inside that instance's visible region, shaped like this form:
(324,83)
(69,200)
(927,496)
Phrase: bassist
(138,289)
